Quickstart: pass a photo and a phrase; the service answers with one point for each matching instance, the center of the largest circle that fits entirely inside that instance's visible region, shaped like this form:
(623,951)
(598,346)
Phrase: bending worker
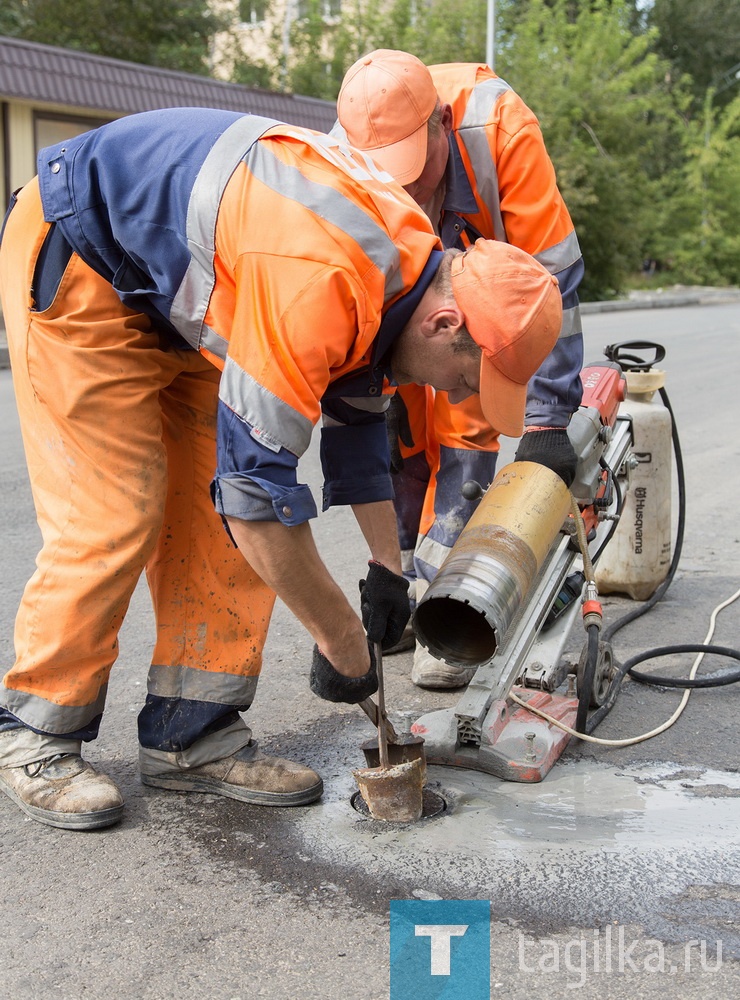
(186,293)
(471,154)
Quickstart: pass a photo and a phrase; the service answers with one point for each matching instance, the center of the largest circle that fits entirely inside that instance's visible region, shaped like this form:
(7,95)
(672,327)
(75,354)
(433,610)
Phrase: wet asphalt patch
(590,845)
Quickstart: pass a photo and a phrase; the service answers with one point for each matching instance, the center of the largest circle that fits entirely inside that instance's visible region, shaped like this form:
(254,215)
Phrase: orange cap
(384,105)
(513,310)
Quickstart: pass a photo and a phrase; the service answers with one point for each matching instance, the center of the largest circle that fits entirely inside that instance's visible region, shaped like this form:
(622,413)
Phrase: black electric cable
(589,673)
(710,681)
(617,512)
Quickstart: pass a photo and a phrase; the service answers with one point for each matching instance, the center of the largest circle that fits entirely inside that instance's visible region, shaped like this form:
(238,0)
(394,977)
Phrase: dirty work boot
(247,775)
(63,791)
(429,672)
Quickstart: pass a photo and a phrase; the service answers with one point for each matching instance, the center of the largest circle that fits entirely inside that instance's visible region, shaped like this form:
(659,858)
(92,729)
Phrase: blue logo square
(440,949)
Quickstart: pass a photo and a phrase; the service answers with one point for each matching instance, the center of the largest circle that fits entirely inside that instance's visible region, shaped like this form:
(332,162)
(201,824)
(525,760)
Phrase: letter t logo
(425,962)
(440,935)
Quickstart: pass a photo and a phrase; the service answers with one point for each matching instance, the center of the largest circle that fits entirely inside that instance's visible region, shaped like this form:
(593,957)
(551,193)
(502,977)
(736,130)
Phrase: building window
(50,129)
(330,10)
(253,11)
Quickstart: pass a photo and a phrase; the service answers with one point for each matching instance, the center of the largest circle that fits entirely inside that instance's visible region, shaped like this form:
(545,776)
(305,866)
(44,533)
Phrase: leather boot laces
(37,766)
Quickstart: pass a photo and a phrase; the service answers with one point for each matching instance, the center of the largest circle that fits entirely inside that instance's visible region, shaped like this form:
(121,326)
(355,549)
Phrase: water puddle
(581,805)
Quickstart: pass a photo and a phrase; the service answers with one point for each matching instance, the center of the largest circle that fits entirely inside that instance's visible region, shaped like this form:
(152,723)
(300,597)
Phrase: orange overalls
(195,290)
(500,184)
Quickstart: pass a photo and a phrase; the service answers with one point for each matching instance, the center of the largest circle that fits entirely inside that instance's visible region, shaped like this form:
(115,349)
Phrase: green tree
(609,121)
(435,30)
(320,51)
(700,38)
(173,34)
(700,238)
(643,171)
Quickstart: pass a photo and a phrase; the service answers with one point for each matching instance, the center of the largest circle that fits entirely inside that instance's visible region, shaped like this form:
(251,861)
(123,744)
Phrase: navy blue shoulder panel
(120,195)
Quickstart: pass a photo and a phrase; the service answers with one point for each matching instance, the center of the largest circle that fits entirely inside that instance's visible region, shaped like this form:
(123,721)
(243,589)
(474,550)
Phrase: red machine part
(604,387)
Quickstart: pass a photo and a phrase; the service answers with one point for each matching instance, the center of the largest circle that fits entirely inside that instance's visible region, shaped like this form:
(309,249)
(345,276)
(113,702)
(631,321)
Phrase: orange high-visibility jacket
(284,256)
(501,184)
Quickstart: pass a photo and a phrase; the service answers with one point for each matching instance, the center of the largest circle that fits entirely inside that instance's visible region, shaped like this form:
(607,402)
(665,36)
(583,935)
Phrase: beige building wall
(255,23)
(262,30)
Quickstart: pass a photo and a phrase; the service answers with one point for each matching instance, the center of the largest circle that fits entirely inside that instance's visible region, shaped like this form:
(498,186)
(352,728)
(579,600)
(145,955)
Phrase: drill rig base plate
(515,745)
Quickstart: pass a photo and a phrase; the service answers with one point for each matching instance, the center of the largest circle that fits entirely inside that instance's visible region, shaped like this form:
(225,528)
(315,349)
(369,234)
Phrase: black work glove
(398,428)
(384,603)
(330,685)
(551,448)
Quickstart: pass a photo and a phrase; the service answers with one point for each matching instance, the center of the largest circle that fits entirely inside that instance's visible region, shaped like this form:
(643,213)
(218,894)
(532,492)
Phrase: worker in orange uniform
(186,293)
(471,154)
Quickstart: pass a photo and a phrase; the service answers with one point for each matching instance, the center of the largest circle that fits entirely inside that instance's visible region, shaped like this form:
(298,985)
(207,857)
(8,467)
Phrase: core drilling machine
(509,592)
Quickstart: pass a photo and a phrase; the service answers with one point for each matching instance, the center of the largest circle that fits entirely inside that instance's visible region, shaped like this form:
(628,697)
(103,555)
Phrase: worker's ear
(443,321)
(447,119)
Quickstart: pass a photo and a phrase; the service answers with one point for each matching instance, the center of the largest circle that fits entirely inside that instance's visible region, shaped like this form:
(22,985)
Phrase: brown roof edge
(45,73)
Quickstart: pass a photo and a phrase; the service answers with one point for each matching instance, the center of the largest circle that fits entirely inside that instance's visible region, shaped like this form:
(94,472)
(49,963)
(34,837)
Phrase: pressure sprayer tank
(638,556)
(469,606)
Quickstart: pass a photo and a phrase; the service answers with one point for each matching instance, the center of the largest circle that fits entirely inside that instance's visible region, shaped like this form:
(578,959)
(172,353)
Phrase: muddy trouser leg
(212,609)
(97,393)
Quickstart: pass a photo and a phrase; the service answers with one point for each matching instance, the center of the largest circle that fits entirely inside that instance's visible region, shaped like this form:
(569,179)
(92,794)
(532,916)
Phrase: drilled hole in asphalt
(433,804)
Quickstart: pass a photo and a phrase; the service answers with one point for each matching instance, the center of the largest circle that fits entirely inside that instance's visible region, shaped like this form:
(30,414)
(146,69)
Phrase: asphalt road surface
(616,877)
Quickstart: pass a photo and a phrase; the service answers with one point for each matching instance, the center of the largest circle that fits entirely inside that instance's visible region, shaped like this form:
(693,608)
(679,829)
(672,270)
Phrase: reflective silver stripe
(23,746)
(561,255)
(482,99)
(50,717)
(571,323)
(476,143)
(214,342)
(278,423)
(407,561)
(431,552)
(191,301)
(472,133)
(201,685)
(329,204)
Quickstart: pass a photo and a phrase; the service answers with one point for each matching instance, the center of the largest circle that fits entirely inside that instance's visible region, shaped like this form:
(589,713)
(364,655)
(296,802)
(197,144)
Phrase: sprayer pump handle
(632,362)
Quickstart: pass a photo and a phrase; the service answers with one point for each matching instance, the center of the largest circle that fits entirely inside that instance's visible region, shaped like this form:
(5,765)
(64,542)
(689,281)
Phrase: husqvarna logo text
(640,499)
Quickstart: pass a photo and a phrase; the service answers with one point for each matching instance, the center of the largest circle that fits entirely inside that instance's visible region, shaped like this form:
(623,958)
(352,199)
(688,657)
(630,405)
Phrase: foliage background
(639,100)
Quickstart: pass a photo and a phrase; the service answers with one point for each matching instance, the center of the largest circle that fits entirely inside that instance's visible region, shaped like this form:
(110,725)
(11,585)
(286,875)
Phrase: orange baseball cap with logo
(384,105)
(513,310)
